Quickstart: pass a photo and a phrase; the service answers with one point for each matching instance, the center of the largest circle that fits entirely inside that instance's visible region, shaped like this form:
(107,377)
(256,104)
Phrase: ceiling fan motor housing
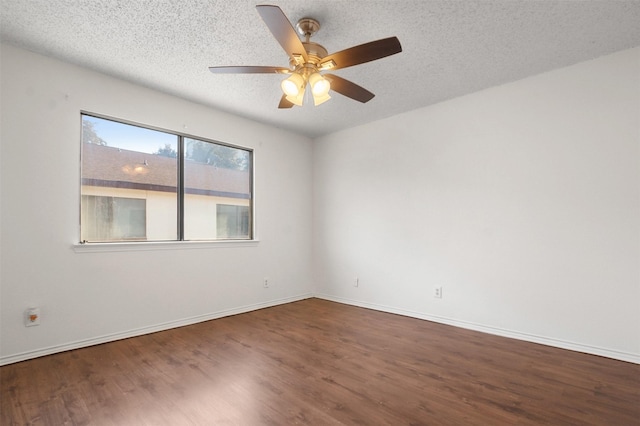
(315,53)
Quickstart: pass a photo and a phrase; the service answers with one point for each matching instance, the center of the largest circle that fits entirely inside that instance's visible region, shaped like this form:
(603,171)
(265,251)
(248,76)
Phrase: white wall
(521,201)
(91,297)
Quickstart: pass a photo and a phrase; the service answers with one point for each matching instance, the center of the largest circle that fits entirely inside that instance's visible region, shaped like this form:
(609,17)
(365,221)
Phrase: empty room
(320,212)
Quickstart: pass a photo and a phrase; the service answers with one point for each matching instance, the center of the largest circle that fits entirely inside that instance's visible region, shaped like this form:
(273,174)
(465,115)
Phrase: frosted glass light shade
(320,99)
(319,85)
(293,85)
(297,99)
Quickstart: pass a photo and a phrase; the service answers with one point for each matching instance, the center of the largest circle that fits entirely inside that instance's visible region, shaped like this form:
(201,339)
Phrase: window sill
(160,245)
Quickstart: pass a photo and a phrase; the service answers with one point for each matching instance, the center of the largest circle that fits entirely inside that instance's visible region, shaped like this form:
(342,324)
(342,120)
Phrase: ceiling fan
(309,61)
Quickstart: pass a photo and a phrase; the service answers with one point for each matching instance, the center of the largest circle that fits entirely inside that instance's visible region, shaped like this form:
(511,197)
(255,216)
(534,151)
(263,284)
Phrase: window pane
(113,218)
(232,221)
(129,182)
(215,175)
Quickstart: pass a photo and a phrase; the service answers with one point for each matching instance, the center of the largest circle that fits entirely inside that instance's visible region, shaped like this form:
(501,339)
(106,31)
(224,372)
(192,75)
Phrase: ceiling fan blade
(348,88)
(282,30)
(249,70)
(284,103)
(363,53)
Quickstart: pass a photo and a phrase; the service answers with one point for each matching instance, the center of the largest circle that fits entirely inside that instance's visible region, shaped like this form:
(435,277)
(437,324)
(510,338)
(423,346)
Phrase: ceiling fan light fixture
(293,85)
(320,86)
(297,99)
(320,99)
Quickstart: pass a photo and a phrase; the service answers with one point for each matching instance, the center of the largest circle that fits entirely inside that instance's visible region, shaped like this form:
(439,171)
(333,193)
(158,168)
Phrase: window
(141,184)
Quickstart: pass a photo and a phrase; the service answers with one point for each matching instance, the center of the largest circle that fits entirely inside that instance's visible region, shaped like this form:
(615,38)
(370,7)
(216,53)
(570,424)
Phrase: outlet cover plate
(32,317)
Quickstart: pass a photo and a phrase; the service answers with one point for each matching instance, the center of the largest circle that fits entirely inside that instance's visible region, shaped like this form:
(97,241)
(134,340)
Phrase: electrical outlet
(437,292)
(356,282)
(265,283)
(32,317)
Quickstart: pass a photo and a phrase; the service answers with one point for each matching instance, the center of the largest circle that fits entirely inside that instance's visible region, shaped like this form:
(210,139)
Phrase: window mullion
(180,189)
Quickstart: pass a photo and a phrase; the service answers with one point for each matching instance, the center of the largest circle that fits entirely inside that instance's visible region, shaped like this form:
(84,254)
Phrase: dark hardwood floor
(320,363)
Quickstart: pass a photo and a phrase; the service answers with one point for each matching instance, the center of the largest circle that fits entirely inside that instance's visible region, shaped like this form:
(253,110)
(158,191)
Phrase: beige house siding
(161,213)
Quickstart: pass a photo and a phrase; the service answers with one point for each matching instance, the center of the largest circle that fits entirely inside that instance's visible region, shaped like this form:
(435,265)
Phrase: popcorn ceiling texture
(450,48)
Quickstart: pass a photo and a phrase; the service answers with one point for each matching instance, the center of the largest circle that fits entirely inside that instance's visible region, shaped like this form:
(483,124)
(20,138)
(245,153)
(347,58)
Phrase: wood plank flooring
(317,362)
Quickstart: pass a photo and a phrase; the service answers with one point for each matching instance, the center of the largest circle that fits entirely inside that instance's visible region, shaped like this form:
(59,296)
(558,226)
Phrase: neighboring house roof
(119,168)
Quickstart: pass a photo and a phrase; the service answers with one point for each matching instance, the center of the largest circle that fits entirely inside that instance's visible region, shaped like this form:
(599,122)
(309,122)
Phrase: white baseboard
(578,347)
(622,356)
(10,359)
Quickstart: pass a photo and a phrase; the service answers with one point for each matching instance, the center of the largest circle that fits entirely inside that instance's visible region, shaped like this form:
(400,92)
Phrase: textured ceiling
(450,48)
